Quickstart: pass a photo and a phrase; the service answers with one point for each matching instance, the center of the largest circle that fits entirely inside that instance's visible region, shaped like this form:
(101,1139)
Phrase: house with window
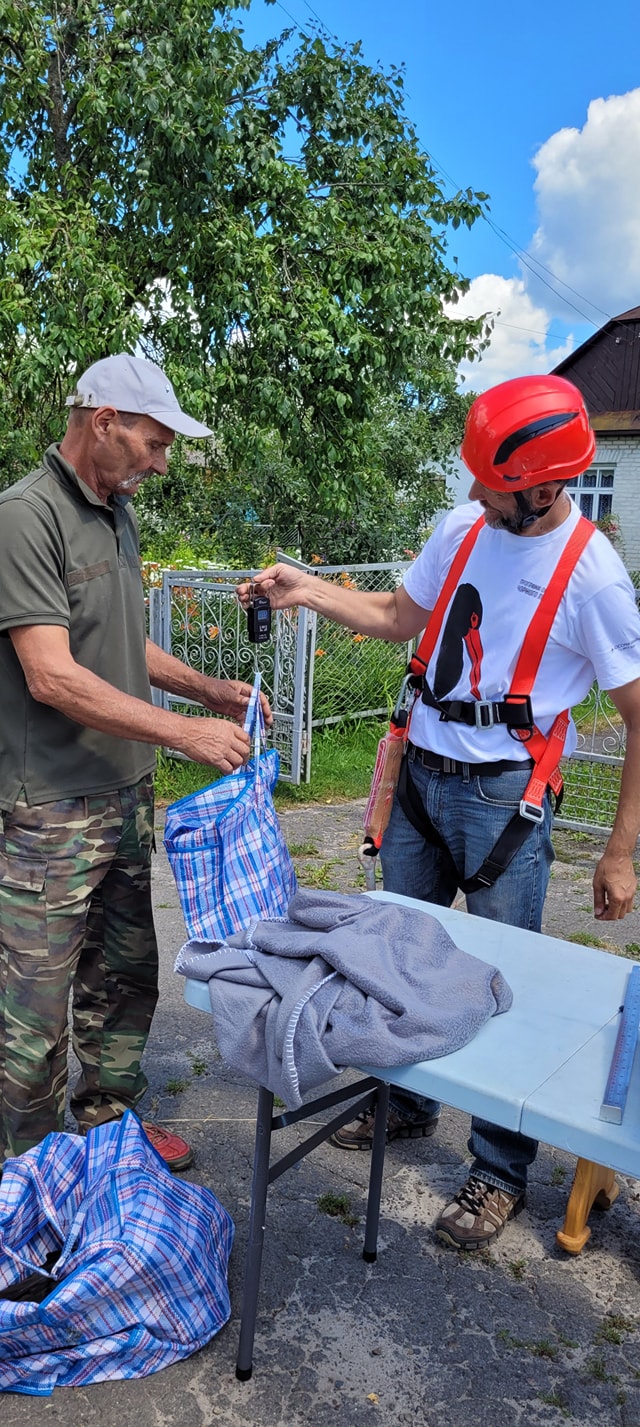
(606,369)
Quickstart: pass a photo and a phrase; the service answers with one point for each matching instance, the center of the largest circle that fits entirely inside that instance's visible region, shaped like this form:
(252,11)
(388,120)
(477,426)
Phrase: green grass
(587,939)
(341,769)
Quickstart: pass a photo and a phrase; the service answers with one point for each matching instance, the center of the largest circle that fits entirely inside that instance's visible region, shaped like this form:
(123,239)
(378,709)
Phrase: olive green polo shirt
(67,559)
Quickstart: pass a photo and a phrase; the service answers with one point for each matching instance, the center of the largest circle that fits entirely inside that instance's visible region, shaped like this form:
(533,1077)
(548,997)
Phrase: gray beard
(135,480)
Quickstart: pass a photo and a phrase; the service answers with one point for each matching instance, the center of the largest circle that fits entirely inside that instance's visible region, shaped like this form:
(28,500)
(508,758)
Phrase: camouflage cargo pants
(75,916)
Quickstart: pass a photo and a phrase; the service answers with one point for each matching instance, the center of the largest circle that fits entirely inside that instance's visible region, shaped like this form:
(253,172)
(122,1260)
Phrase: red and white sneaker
(175,1151)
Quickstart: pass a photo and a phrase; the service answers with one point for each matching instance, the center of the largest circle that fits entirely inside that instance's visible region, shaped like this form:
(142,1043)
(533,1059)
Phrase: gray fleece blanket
(344,981)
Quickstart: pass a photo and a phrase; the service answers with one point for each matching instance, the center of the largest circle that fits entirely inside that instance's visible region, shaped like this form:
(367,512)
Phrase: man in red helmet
(529,604)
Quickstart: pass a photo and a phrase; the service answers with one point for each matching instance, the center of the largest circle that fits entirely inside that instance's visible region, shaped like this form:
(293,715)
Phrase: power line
(317,16)
(540,264)
(536,331)
(527,259)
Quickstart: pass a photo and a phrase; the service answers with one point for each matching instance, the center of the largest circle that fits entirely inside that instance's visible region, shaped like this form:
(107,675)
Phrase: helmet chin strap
(529,516)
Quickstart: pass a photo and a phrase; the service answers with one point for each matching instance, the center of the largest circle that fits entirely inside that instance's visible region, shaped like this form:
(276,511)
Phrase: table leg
(253,1263)
(370,1250)
(593,1184)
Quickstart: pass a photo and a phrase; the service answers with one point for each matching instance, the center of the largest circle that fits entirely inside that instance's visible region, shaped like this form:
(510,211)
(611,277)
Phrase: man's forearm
(168,673)
(92,702)
(370,613)
(626,826)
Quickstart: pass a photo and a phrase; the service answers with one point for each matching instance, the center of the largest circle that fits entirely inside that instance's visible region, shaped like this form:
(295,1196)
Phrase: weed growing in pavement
(558,1174)
(555,1399)
(303,849)
(338,1206)
(540,1348)
(632,950)
(176,1087)
(319,877)
(613,1328)
(596,1367)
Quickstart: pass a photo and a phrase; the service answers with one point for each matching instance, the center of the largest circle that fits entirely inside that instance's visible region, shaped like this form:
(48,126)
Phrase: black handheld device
(259,620)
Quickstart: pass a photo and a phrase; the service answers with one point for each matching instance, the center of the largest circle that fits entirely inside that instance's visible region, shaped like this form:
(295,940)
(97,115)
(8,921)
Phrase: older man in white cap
(78,732)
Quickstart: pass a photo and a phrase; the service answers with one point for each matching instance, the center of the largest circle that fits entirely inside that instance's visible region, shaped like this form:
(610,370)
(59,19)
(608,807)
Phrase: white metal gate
(195,615)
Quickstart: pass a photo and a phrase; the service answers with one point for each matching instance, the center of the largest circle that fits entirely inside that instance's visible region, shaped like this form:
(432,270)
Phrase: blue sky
(539,106)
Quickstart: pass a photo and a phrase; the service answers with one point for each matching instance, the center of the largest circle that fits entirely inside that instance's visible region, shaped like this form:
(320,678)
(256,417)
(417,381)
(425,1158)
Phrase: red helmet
(527,431)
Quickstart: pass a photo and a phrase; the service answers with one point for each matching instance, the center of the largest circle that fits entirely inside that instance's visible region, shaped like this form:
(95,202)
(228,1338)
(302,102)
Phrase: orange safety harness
(514,710)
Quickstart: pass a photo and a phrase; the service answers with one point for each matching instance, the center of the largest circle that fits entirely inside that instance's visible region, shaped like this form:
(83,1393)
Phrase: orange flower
(358,638)
(213,630)
(320,653)
(316,560)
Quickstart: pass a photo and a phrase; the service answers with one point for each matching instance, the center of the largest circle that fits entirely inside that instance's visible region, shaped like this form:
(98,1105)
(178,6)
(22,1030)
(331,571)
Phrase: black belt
(438,764)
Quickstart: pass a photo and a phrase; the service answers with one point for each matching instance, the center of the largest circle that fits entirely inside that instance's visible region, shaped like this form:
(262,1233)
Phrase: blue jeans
(469,813)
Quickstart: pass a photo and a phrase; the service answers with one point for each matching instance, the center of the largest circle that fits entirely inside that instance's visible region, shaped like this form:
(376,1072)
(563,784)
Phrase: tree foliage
(262,221)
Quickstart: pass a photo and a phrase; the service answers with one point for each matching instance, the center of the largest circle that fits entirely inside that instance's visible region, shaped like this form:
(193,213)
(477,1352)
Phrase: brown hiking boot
(477,1215)
(358,1134)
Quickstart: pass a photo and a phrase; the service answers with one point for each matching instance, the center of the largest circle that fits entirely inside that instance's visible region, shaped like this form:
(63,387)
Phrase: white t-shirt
(595,633)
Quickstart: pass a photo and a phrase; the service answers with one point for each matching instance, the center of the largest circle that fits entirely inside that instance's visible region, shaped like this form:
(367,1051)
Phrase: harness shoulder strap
(427,644)
(539,628)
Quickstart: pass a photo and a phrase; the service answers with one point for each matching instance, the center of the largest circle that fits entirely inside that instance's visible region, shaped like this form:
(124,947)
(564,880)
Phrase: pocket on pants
(22,874)
(504,791)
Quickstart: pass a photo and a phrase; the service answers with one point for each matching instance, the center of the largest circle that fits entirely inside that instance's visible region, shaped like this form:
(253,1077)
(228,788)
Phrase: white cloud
(588,199)
(588,236)
(520,340)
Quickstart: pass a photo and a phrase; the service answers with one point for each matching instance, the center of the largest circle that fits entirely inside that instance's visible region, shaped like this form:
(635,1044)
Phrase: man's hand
(284,584)
(230,697)
(614,887)
(214,741)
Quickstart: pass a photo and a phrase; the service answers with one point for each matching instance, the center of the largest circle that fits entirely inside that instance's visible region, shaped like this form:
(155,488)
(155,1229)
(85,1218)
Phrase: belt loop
(466,773)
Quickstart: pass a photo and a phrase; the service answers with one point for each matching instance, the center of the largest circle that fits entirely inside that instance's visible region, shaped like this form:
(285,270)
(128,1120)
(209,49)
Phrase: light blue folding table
(541,1068)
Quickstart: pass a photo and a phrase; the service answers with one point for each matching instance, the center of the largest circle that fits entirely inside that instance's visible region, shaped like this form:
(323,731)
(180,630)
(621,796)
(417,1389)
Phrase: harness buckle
(400,715)
(531,811)
(483,713)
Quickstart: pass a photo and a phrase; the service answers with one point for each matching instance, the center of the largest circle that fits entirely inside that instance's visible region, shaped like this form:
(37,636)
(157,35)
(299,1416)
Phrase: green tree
(238,517)
(150,195)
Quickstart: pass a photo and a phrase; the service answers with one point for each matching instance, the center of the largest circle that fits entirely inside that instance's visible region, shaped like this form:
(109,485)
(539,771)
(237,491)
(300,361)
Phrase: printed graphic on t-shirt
(527,587)
(461,630)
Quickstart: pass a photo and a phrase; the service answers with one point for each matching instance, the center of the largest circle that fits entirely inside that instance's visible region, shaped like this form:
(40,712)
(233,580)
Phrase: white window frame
(593,491)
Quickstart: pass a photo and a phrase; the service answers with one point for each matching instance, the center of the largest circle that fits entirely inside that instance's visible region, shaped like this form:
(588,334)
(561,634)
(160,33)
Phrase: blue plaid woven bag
(109,1266)
(225,846)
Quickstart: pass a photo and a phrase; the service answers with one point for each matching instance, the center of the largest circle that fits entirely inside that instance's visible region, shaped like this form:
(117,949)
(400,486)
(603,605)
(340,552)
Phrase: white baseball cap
(131,384)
